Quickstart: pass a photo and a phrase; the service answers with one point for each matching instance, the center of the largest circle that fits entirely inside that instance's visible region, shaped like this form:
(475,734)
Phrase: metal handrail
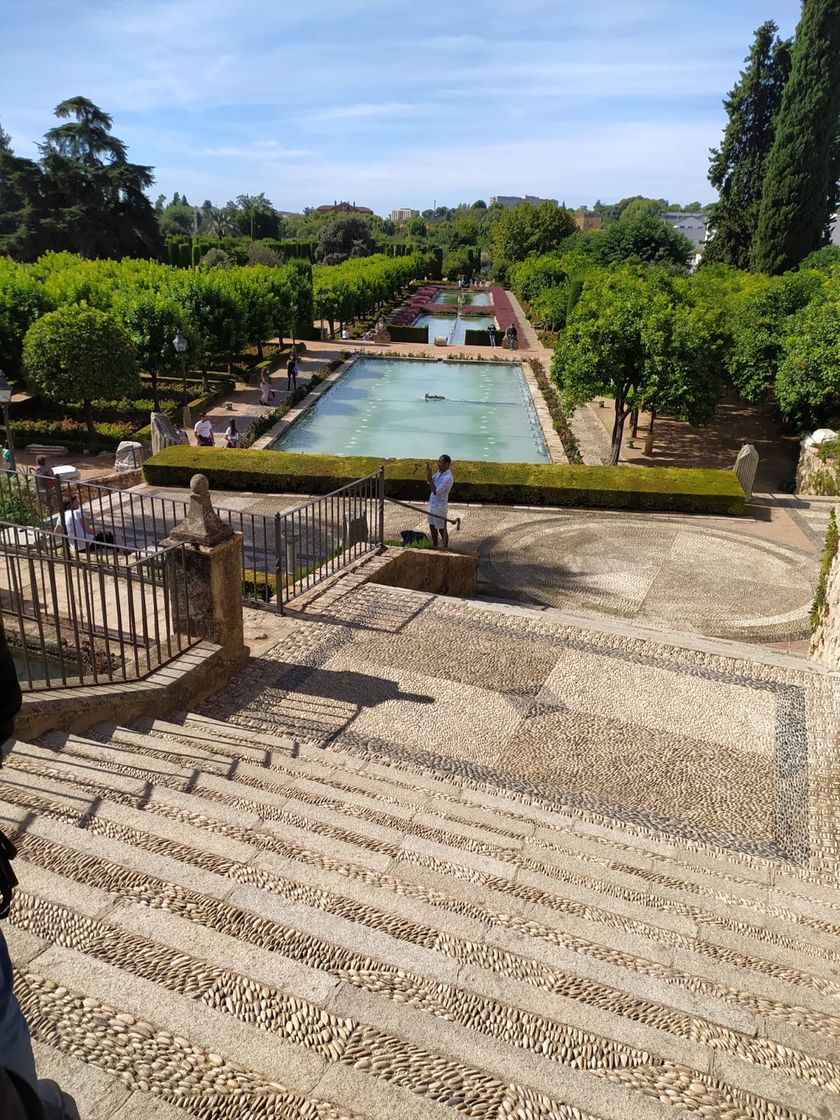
(73,618)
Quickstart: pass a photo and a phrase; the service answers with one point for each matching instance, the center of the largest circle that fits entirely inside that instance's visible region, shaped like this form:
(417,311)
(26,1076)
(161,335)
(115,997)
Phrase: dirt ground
(678,444)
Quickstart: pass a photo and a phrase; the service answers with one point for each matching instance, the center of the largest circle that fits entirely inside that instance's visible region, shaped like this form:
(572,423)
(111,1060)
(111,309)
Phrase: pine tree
(98,207)
(736,168)
(801,178)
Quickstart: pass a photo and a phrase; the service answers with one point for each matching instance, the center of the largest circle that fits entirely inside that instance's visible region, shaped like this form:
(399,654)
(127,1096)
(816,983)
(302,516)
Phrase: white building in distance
(511,200)
(403,214)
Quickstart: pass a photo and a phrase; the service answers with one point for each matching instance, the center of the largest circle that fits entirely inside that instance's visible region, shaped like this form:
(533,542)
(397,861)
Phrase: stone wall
(825,642)
(425,569)
(815,476)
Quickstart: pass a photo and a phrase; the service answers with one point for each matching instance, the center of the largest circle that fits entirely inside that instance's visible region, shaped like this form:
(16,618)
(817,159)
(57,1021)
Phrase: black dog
(410,536)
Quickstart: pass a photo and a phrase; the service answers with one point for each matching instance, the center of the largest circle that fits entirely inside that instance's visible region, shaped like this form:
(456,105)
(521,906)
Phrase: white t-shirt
(439,501)
(74,526)
(204,428)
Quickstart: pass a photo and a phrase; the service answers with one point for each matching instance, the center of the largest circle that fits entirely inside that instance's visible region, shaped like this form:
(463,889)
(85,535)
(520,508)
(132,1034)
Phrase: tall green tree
(736,168)
(78,354)
(96,197)
(801,179)
(529,229)
(636,336)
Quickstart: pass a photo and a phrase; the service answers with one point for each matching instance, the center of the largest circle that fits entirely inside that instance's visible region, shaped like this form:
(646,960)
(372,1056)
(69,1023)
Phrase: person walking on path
(291,372)
(79,530)
(45,480)
(511,334)
(440,483)
(204,432)
(266,392)
(232,437)
(491,333)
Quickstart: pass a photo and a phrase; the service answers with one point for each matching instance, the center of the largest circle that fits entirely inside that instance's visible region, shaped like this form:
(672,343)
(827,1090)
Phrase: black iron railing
(319,538)
(83,612)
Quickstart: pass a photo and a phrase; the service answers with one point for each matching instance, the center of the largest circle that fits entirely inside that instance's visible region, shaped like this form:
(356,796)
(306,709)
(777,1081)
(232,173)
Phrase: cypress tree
(800,183)
(736,168)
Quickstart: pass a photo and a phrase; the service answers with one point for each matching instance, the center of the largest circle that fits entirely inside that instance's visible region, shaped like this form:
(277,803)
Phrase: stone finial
(202,525)
(745,467)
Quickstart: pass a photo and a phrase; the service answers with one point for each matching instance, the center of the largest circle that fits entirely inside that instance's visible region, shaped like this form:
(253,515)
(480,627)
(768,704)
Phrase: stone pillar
(745,467)
(211,592)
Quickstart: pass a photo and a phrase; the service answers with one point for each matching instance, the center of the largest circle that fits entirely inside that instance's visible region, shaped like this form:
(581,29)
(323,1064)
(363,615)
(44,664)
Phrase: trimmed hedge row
(550,484)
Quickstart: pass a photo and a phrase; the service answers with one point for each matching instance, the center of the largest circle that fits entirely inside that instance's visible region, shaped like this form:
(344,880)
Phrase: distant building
(343,208)
(510,200)
(404,214)
(692,226)
(587,220)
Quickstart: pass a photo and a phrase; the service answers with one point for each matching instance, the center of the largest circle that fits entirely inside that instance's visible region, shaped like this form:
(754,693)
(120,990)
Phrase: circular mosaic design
(708,581)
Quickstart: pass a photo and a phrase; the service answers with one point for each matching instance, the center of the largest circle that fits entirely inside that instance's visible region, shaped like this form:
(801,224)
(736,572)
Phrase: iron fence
(137,521)
(320,537)
(81,613)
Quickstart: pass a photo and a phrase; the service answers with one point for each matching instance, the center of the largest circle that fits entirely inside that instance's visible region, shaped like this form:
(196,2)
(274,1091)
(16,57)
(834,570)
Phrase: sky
(389,103)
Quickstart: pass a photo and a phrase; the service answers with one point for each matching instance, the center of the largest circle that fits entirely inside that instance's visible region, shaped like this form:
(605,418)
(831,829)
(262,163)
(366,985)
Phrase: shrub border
(535,484)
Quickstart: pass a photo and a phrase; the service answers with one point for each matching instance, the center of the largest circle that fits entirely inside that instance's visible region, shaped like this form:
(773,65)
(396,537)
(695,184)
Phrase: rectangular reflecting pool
(453,327)
(399,408)
(465,297)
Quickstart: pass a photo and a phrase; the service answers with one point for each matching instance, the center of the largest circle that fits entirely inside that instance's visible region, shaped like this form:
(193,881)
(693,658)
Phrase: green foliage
(22,301)
(83,195)
(808,378)
(356,288)
(527,229)
(638,336)
(801,180)
(555,409)
(78,353)
(737,167)
(829,552)
(761,329)
(646,239)
(655,488)
(344,237)
(825,260)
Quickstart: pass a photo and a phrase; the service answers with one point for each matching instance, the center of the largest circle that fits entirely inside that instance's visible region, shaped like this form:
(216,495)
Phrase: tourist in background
(266,392)
(232,437)
(45,480)
(291,372)
(491,334)
(204,432)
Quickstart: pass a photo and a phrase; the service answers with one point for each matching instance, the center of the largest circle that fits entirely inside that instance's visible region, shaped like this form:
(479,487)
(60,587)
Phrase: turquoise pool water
(453,327)
(470,299)
(379,407)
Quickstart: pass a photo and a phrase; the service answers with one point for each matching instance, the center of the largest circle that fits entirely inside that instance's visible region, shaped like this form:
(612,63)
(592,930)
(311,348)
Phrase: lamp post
(293,313)
(5,397)
(322,295)
(180,343)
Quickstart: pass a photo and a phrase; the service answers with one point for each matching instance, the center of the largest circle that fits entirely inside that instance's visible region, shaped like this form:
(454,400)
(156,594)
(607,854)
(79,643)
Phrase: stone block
(746,464)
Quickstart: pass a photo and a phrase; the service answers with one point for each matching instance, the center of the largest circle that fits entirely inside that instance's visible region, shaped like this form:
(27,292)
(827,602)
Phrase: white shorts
(437,518)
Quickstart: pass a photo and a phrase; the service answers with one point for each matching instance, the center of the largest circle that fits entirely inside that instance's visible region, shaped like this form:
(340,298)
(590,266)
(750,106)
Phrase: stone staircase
(220,921)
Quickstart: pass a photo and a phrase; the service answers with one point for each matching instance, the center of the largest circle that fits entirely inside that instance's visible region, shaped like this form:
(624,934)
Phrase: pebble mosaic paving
(444,858)
(704,747)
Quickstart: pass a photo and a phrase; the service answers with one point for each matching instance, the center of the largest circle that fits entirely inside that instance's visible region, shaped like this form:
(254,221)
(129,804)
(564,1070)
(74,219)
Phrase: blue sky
(390,103)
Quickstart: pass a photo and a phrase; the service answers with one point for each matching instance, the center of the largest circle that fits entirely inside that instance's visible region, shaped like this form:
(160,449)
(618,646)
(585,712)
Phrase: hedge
(400,332)
(550,484)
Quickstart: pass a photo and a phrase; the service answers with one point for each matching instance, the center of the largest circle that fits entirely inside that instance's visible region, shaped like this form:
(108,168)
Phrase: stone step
(702,874)
(600,881)
(413,980)
(579,937)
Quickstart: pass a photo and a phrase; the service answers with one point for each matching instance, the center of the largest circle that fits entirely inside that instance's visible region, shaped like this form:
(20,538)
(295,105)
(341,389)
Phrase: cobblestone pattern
(454,840)
(826,1025)
(708,748)
(307,1025)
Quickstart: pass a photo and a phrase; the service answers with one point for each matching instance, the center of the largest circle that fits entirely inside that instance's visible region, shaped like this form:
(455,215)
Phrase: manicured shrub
(541,484)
